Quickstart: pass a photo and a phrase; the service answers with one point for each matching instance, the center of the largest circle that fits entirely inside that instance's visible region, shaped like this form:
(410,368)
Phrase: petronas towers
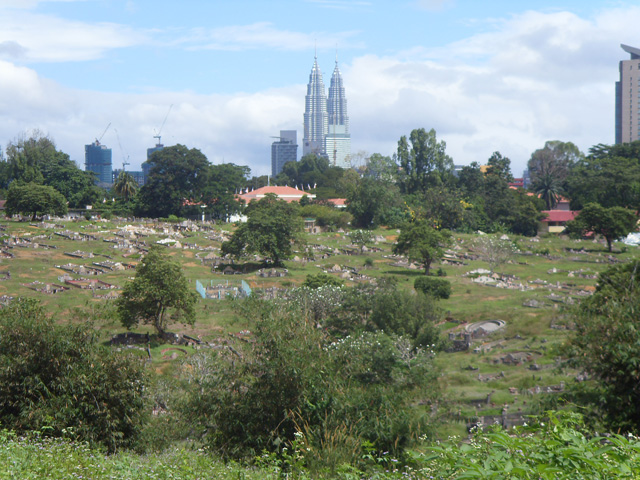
(326,123)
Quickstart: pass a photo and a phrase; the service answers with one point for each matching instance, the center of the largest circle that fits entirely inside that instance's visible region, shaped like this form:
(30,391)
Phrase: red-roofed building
(557,219)
(338,202)
(288,194)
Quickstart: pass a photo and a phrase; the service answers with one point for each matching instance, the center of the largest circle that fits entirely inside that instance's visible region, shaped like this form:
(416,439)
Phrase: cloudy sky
(493,75)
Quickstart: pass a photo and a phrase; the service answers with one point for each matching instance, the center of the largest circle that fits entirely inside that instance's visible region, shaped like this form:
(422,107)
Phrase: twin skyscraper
(326,123)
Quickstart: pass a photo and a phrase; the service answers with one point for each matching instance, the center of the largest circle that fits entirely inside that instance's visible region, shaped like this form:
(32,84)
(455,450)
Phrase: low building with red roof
(556,220)
(288,194)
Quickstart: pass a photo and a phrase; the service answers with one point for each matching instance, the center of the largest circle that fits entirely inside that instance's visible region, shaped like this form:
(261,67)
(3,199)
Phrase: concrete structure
(146,166)
(315,113)
(284,150)
(337,145)
(556,220)
(97,159)
(628,98)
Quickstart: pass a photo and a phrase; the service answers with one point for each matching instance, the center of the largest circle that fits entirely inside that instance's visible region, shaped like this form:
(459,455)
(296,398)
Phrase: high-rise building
(337,145)
(628,98)
(284,150)
(148,165)
(97,158)
(315,113)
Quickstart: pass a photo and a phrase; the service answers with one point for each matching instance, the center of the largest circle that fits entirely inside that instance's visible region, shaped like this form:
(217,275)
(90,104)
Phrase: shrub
(59,380)
(436,287)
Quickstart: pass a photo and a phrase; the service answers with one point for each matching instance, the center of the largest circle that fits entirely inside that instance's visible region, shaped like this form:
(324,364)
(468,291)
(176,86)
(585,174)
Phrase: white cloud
(263,35)
(47,38)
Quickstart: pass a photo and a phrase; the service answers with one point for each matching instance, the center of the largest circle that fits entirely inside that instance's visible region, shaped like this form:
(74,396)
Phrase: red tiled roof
(288,194)
(338,202)
(559,215)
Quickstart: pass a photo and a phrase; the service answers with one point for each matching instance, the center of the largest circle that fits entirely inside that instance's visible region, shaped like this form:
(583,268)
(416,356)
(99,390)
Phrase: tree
(158,293)
(612,223)
(494,250)
(272,227)
(177,179)
(125,186)
(373,202)
(361,238)
(500,166)
(219,192)
(605,344)
(555,160)
(60,380)
(33,199)
(420,242)
(548,187)
(423,160)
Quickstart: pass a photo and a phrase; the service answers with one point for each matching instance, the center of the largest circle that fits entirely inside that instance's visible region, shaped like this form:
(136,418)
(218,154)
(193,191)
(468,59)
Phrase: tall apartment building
(628,98)
(337,143)
(97,158)
(284,150)
(326,124)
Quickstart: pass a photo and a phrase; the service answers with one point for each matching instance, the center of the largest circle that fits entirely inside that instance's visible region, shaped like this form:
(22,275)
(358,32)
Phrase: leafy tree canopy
(159,293)
(272,227)
(423,160)
(35,200)
(612,223)
(421,242)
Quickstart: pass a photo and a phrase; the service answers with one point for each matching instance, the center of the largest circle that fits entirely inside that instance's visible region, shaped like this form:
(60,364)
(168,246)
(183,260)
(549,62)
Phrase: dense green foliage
(612,223)
(34,200)
(36,160)
(272,227)
(423,243)
(60,381)
(158,293)
(434,286)
(340,394)
(605,344)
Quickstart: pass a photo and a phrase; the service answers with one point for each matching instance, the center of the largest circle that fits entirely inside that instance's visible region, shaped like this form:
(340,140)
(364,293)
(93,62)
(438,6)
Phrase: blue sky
(492,75)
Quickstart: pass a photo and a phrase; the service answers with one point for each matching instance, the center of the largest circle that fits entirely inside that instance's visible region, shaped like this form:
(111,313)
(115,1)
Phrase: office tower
(284,150)
(628,97)
(97,158)
(315,113)
(337,144)
(147,165)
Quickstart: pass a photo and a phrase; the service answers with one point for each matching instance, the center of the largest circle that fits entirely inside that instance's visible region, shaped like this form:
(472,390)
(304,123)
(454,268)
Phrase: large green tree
(35,200)
(424,161)
(374,202)
(177,181)
(35,159)
(612,223)
(158,294)
(421,242)
(271,229)
(223,182)
(554,160)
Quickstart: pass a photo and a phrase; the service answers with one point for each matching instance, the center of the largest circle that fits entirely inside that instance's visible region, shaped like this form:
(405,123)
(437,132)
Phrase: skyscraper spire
(315,113)
(338,139)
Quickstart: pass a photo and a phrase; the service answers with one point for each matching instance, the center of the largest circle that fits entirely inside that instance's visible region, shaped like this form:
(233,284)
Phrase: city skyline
(487,76)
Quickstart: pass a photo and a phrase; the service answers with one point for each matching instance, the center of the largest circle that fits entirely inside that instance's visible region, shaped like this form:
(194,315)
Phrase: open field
(552,272)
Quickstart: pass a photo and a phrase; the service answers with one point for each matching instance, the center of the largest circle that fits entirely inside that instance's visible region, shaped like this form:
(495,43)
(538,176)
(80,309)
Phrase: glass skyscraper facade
(337,144)
(97,158)
(284,150)
(315,113)
(326,123)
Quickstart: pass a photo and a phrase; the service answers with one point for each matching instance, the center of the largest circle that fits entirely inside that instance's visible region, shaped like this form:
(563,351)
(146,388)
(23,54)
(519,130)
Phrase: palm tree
(548,187)
(125,186)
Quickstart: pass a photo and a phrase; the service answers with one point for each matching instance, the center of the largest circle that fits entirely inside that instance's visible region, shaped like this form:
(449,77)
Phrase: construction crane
(157,134)
(125,162)
(105,131)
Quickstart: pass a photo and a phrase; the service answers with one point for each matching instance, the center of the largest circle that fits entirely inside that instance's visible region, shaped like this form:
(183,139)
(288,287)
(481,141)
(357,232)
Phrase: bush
(436,287)
(60,381)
